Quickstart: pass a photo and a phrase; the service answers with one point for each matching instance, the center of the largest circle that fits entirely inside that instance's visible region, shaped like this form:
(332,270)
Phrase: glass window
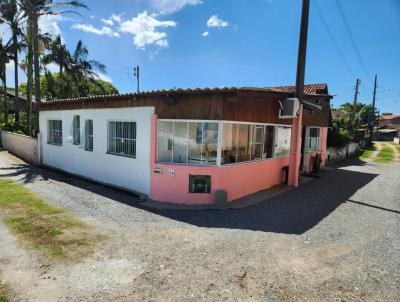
(195,143)
(210,143)
(229,142)
(76,125)
(122,138)
(282,145)
(164,141)
(258,142)
(244,143)
(54,132)
(313,139)
(269,141)
(89,135)
(180,148)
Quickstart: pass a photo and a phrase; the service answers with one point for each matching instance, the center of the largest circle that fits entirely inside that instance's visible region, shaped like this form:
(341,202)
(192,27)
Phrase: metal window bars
(54,132)
(122,138)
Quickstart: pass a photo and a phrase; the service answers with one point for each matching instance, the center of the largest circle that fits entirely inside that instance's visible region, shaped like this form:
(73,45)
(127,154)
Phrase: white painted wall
(124,172)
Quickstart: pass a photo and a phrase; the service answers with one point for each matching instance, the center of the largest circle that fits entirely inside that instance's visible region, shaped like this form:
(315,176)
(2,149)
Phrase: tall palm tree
(80,70)
(4,59)
(34,9)
(11,15)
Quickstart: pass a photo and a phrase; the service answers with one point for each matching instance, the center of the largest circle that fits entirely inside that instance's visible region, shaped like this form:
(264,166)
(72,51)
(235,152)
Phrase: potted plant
(316,163)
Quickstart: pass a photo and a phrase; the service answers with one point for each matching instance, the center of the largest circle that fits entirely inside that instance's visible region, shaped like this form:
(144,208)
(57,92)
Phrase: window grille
(76,130)
(54,132)
(122,138)
(89,135)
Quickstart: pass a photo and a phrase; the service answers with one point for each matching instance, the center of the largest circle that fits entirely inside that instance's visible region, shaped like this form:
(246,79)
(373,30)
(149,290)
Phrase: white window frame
(307,142)
(108,138)
(50,136)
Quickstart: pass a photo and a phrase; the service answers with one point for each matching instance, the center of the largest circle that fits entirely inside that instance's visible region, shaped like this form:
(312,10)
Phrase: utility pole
(355,97)
(297,125)
(372,120)
(137,75)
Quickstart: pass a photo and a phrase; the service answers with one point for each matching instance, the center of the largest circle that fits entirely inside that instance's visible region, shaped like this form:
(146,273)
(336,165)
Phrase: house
(184,146)
(388,127)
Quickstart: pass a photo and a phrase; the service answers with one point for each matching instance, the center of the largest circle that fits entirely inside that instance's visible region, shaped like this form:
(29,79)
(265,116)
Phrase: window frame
(308,139)
(52,130)
(134,140)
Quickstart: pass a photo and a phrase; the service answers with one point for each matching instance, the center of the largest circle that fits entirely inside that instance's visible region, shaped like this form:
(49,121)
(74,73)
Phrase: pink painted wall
(238,180)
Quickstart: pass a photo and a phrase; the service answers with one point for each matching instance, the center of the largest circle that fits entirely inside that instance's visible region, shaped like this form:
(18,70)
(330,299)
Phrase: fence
(338,154)
(23,146)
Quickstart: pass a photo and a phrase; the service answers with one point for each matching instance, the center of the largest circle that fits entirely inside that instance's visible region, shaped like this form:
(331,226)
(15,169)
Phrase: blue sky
(213,43)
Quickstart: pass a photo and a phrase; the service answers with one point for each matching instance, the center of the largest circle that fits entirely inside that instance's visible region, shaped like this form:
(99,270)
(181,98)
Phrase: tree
(11,15)
(5,53)
(34,9)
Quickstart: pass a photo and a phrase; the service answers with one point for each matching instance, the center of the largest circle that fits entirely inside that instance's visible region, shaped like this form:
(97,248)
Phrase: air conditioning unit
(289,108)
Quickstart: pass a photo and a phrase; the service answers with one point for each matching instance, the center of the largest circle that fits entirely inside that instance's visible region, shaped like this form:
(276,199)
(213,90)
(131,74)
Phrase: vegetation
(366,153)
(385,155)
(3,292)
(77,75)
(344,126)
(46,227)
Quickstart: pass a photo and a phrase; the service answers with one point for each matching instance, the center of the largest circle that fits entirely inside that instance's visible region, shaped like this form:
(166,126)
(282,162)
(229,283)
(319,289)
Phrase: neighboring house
(389,127)
(22,104)
(182,146)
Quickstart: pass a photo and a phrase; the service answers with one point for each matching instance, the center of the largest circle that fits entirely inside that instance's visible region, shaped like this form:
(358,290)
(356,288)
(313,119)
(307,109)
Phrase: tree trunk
(5,105)
(35,32)
(15,51)
(30,77)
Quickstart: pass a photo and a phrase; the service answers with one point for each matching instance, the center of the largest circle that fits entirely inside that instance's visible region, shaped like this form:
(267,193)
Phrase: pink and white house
(186,146)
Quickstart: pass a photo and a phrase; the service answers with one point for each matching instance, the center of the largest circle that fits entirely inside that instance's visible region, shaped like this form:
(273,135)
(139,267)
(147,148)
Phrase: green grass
(385,155)
(366,152)
(3,292)
(51,229)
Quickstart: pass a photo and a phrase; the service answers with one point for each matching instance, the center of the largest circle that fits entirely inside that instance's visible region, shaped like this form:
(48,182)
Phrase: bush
(338,138)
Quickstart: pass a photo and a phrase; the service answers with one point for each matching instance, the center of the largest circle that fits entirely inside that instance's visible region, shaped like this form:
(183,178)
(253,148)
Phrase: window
(282,145)
(187,142)
(76,130)
(122,138)
(54,132)
(246,142)
(313,139)
(89,135)
(199,183)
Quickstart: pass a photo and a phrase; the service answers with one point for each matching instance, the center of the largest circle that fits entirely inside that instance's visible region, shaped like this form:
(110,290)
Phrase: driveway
(333,239)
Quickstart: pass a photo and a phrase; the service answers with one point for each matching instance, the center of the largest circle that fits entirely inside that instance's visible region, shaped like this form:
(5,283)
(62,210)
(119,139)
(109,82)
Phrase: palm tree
(4,59)
(34,9)
(11,15)
(80,70)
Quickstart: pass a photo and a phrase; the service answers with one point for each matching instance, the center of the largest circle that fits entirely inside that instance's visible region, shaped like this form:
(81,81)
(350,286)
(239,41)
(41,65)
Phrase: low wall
(396,140)
(20,145)
(338,154)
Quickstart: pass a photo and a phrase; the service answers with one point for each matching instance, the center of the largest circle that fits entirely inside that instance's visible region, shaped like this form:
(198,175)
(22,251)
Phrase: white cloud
(108,22)
(205,34)
(49,24)
(53,67)
(146,30)
(104,77)
(214,21)
(89,28)
(172,6)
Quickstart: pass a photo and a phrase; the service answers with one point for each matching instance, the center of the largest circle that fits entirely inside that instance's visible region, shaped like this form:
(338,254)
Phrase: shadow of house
(293,212)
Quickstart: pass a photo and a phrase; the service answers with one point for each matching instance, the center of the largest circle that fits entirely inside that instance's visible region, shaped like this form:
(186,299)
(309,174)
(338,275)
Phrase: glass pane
(229,143)
(164,141)
(269,141)
(244,146)
(258,142)
(180,142)
(210,133)
(195,143)
(283,141)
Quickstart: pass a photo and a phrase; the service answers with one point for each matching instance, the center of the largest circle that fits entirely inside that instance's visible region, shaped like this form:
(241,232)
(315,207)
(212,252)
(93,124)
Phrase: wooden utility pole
(355,97)
(372,120)
(297,125)
(137,75)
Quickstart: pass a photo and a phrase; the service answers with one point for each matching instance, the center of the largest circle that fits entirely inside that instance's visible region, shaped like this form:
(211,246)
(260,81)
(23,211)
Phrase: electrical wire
(341,55)
(342,15)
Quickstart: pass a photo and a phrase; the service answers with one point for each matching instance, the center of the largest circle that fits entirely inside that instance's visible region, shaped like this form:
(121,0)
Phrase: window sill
(121,155)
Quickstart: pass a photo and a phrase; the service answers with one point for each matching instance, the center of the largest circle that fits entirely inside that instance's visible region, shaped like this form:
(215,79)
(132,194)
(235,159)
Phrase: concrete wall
(128,173)
(338,154)
(23,146)
(396,140)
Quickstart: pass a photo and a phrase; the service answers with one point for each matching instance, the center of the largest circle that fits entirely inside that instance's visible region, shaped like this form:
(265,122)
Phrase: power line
(342,15)
(333,40)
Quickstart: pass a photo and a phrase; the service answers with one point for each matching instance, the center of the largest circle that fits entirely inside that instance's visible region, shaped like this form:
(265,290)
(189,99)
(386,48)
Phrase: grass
(385,155)
(52,229)
(366,152)
(3,292)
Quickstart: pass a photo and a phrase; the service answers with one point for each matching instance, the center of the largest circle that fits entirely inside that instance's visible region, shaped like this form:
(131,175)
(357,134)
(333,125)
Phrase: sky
(218,43)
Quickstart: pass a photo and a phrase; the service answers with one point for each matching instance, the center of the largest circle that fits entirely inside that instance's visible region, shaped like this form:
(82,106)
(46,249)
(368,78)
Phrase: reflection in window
(282,146)
(180,147)
(164,141)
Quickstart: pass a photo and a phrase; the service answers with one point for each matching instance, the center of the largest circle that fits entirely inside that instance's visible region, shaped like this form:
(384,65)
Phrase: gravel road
(333,239)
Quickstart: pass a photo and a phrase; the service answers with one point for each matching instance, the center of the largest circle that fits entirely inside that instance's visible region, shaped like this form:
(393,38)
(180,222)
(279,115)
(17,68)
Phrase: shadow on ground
(293,212)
